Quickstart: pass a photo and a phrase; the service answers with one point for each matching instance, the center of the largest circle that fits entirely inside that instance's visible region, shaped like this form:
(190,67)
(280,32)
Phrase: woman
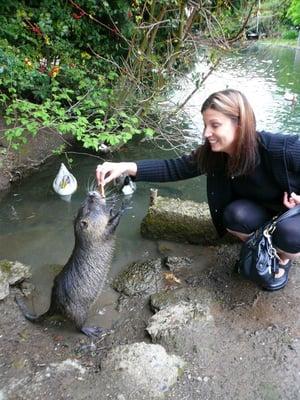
(251,176)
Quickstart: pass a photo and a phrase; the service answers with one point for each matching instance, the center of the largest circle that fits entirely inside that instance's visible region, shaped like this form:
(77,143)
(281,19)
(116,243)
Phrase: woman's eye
(215,125)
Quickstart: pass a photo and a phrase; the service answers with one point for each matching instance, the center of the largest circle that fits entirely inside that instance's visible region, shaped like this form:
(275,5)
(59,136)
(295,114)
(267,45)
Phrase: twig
(91,17)
(199,85)
(84,154)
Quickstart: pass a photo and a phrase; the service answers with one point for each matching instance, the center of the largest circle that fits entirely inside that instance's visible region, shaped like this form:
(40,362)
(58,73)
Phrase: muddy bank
(18,164)
(214,336)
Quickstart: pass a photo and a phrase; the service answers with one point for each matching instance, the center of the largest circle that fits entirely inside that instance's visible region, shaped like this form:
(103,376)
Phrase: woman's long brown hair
(234,105)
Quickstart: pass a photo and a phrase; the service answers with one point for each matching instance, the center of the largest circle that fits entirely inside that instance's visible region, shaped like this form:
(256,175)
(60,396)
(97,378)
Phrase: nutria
(82,279)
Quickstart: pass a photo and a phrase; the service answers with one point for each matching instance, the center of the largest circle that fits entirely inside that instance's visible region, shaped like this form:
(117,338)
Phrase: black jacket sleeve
(293,154)
(293,163)
(175,169)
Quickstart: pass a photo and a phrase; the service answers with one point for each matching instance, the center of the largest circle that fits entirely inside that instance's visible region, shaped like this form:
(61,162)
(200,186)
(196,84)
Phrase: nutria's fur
(80,282)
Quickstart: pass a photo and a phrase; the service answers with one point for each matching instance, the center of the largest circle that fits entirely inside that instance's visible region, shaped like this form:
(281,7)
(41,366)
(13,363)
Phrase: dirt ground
(251,351)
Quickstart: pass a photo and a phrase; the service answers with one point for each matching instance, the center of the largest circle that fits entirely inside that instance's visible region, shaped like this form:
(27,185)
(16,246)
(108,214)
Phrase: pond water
(36,225)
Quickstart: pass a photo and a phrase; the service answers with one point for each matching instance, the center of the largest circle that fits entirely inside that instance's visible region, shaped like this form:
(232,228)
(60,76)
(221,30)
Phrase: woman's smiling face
(220,131)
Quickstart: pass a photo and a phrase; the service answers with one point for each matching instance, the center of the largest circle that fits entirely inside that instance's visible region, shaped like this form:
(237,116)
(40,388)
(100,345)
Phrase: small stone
(20,363)
(206,379)
(10,274)
(27,288)
(176,263)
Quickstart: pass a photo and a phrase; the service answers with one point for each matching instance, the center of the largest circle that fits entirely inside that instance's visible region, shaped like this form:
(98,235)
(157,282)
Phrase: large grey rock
(144,277)
(179,220)
(145,367)
(11,272)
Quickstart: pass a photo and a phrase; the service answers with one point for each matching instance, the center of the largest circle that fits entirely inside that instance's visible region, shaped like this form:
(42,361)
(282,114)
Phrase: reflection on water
(263,74)
(36,225)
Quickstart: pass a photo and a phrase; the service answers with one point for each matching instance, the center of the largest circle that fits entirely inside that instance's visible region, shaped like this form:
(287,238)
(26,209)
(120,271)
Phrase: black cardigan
(281,152)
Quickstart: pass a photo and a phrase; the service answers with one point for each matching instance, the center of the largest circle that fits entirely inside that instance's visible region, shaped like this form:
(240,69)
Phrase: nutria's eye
(83,223)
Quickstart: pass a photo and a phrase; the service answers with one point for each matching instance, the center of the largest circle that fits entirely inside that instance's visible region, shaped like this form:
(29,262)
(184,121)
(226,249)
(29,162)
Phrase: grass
(279,42)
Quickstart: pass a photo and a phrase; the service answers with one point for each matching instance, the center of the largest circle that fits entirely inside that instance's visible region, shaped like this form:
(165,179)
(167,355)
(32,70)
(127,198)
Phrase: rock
(15,271)
(176,316)
(67,365)
(143,277)
(166,298)
(176,263)
(145,367)
(4,287)
(27,288)
(11,272)
(180,327)
(175,219)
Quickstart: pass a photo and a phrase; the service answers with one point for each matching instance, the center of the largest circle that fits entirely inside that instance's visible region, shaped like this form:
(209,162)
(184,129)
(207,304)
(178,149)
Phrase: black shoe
(271,283)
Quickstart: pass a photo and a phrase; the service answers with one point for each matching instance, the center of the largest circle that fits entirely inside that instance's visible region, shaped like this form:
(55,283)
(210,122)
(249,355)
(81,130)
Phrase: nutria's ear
(83,223)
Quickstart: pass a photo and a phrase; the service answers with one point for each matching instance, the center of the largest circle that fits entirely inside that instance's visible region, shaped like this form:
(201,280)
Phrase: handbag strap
(295,210)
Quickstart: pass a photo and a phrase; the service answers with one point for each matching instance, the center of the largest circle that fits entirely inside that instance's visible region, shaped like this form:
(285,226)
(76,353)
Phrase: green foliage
(270,17)
(288,35)
(89,128)
(91,68)
(51,78)
(294,12)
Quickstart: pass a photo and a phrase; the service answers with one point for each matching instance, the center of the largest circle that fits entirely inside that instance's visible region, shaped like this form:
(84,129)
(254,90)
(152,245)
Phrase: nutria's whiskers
(91,184)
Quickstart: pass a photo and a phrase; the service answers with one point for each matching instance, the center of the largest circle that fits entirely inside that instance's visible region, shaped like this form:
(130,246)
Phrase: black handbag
(258,256)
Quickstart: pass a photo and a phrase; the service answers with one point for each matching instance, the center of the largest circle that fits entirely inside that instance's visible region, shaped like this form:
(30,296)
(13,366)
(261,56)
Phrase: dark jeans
(246,216)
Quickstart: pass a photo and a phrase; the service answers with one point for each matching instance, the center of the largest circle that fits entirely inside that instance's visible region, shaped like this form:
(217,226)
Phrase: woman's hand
(292,200)
(108,171)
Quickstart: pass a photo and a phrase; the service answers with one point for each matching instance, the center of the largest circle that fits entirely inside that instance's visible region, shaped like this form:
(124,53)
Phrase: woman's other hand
(108,171)
(292,200)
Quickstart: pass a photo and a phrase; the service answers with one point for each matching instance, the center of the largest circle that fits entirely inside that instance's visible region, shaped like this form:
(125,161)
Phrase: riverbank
(289,43)
(38,149)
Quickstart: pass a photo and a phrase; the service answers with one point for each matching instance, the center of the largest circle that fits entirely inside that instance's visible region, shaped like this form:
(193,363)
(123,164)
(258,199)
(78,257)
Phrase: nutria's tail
(28,315)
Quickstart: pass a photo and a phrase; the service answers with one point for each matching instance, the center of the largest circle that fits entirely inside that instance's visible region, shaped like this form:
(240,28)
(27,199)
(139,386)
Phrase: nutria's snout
(96,198)
(95,195)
